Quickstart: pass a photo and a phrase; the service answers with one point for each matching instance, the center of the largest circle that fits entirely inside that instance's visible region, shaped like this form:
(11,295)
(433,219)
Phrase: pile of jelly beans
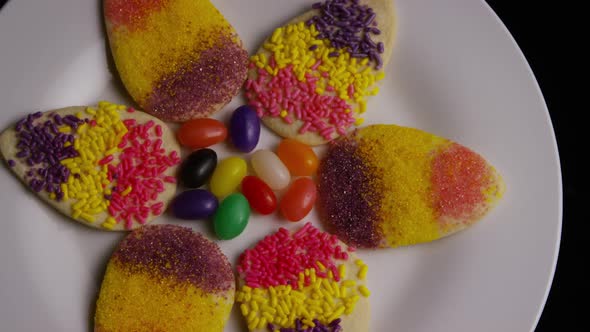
(273,172)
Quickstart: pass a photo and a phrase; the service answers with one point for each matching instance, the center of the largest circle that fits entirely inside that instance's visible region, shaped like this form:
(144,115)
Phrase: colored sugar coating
(107,166)
(349,25)
(179,59)
(311,79)
(303,280)
(131,13)
(165,278)
(389,186)
(177,252)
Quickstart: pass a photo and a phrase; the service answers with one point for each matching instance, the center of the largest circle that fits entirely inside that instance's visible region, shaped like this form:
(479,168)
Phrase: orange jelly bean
(299,199)
(298,157)
(201,133)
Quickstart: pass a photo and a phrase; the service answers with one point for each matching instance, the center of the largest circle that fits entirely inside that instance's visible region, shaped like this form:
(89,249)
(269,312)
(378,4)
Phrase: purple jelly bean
(194,204)
(244,128)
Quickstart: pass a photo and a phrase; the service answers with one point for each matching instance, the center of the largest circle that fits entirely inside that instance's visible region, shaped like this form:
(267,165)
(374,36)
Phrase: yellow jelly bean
(227,176)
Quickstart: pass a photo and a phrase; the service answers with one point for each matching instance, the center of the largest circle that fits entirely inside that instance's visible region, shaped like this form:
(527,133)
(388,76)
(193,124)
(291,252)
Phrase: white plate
(456,72)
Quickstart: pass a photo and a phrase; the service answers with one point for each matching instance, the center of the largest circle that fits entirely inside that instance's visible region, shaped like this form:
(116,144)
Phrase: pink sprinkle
(106,160)
(158,130)
(316,65)
(130,109)
(92,123)
(170,179)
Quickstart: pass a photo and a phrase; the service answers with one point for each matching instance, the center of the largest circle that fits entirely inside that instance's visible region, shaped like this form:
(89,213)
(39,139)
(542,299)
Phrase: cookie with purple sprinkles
(165,278)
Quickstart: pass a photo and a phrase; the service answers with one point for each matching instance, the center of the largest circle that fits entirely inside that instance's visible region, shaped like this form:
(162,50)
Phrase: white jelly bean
(270,169)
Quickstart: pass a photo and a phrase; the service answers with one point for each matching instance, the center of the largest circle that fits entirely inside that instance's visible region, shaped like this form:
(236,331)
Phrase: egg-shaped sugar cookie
(178,59)
(108,167)
(390,186)
(312,78)
(303,280)
(165,278)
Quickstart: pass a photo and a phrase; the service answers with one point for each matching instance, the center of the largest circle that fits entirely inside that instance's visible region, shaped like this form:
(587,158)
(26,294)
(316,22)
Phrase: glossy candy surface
(299,158)
(231,217)
(194,204)
(245,128)
(197,168)
(261,198)
(299,199)
(201,133)
(270,169)
(227,176)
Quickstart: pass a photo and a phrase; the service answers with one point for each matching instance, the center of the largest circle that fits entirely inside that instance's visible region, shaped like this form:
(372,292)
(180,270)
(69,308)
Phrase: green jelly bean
(231,216)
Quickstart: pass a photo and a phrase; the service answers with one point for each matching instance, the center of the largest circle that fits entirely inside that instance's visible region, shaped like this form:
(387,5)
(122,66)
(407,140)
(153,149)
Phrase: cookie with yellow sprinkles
(178,59)
(108,167)
(303,281)
(311,78)
(390,186)
(165,278)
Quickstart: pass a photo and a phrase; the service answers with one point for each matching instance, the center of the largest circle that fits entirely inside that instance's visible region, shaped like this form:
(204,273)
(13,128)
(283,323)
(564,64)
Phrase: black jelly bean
(197,168)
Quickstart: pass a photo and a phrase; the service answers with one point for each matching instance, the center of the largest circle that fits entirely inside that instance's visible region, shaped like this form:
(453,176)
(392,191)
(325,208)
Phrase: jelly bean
(194,204)
(299,199)
(227,176)
(197,168)
(261,198)
(244,128)
(231,217)
(298,157)
(270,169)
(201,133)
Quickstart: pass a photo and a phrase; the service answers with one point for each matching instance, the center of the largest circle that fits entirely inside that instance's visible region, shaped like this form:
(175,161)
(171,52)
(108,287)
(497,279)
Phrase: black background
(544,31)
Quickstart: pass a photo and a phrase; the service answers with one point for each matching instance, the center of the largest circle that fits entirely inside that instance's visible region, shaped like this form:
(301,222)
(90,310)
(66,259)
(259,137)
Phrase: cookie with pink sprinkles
(305,280)
(313,77)
(108,167)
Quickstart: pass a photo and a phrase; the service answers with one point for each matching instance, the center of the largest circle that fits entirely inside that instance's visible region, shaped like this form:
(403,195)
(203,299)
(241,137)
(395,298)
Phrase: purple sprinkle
(334,54)
(347,25)
(313,47)
(11,163)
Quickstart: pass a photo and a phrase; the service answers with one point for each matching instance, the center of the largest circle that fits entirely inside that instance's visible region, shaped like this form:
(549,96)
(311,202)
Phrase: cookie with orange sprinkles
(178,59)
(390,186)
(302,281)
(108,167)
(312,78)
(165,278)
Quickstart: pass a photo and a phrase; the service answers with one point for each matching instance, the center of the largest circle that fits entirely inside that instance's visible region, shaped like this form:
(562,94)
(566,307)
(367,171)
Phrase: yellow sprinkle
(359,262)
(349,283)
(362,274)
(342,271)
(127,191)
(107,225)
(245,309)
(52,195)
(89,218)
(364,291)
(359,121)
(284,113)
(65,129)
